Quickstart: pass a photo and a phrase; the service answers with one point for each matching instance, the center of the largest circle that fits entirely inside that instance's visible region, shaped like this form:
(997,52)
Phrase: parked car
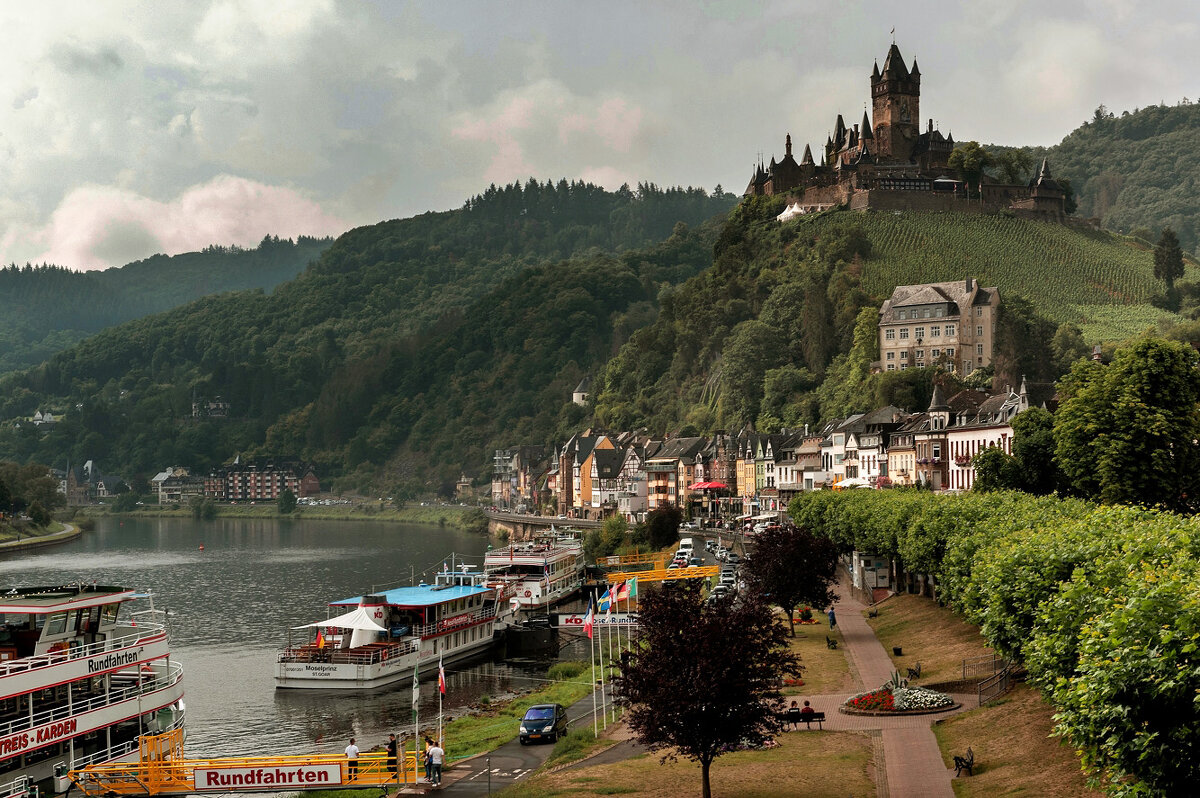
(710,545)
(695,562)
(721,552)
(733,558)
(543,722)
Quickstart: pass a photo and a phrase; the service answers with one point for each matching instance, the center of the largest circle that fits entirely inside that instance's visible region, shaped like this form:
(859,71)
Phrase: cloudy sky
(128,129)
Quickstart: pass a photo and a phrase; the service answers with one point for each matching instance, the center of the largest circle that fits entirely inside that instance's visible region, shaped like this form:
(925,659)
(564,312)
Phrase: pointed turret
(875,72)
(807,159)
(866,127)
(1044,172)
(839,130)
(788,146)
(915,73)
(893,65)
(938,402)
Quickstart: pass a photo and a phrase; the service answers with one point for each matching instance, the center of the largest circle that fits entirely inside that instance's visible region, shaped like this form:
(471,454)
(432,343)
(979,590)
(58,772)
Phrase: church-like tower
(895,107)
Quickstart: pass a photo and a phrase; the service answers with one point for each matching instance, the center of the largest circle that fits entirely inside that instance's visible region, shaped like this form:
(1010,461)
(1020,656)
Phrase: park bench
(915,673)
(873,612)
(966,763)
(830,642)
(808,718)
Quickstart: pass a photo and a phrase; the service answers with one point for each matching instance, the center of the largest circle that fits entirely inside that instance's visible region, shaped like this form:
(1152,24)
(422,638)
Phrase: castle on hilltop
(887,162)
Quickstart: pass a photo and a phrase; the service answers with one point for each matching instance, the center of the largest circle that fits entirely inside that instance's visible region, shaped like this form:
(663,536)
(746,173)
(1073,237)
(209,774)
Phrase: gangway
(162,770)
(655,559)
(666,574)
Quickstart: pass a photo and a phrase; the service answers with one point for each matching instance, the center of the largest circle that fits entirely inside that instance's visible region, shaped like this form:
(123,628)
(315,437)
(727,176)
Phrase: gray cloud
(126,124)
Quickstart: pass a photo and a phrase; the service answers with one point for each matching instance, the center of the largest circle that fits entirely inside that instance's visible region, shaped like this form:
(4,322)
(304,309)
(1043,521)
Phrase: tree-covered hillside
(1135,171)
(782,329)
(339,364)
(48,308)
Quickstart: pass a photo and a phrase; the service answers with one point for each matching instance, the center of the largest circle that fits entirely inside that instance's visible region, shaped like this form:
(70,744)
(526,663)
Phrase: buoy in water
(201,547)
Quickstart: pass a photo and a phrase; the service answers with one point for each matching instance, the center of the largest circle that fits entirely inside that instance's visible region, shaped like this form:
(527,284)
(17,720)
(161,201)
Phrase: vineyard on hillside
(1097,280)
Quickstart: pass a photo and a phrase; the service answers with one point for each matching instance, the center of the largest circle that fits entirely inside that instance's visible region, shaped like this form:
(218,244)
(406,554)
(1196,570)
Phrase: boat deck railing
(370,654)
(126,685)
(142,627)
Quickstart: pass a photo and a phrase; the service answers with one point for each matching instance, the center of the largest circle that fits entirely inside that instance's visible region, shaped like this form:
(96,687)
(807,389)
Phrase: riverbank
(11,541)
(470,519)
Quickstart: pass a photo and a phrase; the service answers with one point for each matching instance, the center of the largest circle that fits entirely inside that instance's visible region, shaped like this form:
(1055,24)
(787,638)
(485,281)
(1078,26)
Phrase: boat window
(57,624)
(110,613)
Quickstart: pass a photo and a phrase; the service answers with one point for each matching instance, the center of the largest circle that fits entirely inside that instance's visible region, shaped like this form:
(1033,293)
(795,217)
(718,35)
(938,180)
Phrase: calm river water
(230,608)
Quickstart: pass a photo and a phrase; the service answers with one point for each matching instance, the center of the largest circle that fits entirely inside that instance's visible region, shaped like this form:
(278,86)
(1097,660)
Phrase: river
(230,606)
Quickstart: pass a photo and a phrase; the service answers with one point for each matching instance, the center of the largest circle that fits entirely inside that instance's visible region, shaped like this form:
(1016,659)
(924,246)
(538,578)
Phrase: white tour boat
(539,573)
(80,681)
(380,638)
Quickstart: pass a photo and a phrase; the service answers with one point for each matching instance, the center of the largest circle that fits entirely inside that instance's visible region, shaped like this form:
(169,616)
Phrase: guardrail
(141,685)
(148,625)
(983,667)
(994,686)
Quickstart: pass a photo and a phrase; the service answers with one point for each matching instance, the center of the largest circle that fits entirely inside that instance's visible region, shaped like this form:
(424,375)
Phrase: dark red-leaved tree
(706,676)
(789,566)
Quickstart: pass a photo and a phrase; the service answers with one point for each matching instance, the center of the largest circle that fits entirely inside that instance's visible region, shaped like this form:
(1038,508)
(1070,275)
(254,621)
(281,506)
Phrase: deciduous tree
(792,566)
(706,676)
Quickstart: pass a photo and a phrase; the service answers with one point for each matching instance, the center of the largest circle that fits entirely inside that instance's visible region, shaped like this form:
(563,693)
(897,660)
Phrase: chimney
(931,124)
(970,284)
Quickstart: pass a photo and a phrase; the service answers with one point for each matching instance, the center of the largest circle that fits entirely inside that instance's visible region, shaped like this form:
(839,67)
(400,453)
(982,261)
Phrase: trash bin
(897,651)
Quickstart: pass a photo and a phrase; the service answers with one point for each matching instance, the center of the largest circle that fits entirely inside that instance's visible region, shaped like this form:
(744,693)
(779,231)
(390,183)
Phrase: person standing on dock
(352,760)
(436,757)
(393,760)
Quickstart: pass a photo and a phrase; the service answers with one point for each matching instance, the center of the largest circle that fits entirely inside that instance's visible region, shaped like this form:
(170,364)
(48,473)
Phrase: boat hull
(351,676)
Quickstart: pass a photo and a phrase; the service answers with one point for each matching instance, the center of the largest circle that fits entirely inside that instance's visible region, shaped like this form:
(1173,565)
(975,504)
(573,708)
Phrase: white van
(685,545)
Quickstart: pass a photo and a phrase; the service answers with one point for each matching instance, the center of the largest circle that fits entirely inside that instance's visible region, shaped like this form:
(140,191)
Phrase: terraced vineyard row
(1091,278)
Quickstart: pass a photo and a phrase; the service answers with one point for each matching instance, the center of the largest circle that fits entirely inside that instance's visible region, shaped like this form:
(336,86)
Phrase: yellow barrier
(666,574)
(162,770)
(654,558)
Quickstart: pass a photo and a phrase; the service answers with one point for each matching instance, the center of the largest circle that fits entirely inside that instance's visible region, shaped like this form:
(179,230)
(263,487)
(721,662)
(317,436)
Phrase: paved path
(912,762)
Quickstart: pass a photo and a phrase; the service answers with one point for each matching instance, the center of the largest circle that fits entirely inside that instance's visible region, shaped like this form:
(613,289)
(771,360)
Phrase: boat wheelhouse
(539,573)
(380,638)
(81,679)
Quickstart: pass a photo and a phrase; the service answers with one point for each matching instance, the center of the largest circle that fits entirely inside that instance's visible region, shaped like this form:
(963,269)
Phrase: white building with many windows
(949,323)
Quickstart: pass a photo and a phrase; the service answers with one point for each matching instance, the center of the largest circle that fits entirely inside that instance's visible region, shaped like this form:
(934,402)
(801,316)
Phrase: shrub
(565,670)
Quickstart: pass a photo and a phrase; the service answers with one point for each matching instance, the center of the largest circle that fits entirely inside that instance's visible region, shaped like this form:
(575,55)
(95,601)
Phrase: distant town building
(211,408)
(949,323)
(261,479)
(582,393)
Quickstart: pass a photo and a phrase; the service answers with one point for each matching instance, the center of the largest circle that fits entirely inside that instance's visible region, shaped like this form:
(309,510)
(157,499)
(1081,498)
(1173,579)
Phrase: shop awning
(707,486)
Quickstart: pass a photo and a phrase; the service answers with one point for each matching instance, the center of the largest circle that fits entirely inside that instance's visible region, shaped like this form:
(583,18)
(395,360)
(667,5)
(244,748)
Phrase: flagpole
(595,708)
(416,720)
(603,695)
(440,684)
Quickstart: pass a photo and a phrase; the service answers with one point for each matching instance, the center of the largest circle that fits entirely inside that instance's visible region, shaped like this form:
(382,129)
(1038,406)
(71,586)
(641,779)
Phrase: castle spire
(875,72)
(893,65)
(915,73)
(1044,172)
(788,145)
(807,159)
(866,127)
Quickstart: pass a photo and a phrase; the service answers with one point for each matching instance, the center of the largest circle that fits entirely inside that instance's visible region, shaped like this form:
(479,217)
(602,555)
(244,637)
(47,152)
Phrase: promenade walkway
(912,763)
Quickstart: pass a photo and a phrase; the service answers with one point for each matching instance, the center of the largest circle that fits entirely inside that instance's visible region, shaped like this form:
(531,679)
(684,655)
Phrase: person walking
(352,760)
(393,757)
(832,617)
(436,757)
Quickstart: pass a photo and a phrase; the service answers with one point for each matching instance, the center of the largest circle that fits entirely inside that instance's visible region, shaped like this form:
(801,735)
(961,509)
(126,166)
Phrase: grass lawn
(928,633)
(1014,752)
(829,763)
(474,734)
(825,670)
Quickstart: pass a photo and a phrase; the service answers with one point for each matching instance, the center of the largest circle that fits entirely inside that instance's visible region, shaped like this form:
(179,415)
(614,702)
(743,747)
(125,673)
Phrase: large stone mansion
(887,162)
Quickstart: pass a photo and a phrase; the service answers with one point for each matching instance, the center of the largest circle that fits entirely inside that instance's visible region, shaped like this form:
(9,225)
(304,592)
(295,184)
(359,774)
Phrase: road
(510,762)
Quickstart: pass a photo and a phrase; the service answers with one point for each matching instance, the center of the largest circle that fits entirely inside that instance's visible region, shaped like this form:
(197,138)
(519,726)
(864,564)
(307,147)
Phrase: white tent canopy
(358,618)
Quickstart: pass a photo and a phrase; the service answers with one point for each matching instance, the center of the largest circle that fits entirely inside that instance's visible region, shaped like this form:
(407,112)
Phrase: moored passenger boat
(80,680)
(380,638)
(539,573)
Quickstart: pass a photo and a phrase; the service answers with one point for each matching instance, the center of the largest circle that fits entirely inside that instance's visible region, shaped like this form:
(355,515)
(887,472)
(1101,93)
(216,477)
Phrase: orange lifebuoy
(528,593)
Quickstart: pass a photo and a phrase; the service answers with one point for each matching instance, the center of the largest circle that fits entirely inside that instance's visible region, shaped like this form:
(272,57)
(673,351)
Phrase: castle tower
(895,106)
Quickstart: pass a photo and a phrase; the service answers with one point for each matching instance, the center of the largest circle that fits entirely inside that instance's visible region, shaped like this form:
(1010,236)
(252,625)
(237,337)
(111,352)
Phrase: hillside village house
(953,324)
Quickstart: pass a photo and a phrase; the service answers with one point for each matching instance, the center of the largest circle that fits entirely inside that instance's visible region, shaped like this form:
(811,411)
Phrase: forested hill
(48,308)
(408,342)
(1135,170)
(782,330)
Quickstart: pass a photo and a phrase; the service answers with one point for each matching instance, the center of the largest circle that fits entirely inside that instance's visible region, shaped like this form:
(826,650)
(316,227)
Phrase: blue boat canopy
(421,595)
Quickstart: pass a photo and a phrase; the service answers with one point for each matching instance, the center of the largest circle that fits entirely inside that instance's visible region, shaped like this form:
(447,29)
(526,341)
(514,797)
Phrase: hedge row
(1101,604)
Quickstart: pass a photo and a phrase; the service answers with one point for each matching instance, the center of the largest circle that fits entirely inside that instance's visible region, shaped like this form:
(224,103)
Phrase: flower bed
(891,700)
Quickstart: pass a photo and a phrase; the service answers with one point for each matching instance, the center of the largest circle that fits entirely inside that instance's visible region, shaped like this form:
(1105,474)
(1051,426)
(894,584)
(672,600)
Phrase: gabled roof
(608,462)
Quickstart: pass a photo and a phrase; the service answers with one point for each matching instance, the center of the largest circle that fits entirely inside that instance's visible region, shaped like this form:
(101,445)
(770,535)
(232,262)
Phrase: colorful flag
(623,591)
(441,677)
(605,601)
(416,688)
(589,619)
(631,586)
(320,639)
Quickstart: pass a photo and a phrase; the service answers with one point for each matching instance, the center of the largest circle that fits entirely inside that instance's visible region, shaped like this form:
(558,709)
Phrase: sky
(134,128)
